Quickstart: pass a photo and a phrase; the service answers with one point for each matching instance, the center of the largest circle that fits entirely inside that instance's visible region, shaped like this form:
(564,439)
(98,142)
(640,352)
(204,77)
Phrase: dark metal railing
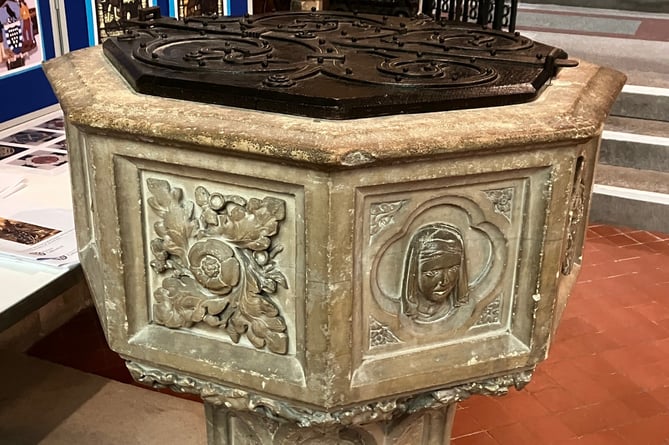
(498,14)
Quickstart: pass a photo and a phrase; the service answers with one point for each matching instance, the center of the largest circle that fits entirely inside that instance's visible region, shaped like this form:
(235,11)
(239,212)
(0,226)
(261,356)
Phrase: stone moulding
(88,103)
(279,410)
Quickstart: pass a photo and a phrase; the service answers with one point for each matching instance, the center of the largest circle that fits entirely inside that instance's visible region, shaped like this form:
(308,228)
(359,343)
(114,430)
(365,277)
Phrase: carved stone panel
(217,264)
(445,269)
(434,271)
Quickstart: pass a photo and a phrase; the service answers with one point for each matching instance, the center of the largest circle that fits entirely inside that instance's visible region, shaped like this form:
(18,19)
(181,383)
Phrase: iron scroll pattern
(329,57)
(470,10)
(217,263)
(280,410)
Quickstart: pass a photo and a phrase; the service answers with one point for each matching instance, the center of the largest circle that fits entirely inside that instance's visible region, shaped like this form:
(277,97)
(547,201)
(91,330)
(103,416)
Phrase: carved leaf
(177,224)
(251,226)
(177,303)
(259,318)
(278,277)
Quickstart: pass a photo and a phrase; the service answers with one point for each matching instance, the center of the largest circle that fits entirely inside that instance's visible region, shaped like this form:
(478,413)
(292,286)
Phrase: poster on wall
(21,47)
(193,8)
(109,15)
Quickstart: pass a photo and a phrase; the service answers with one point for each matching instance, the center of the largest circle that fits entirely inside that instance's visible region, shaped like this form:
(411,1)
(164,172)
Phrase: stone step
(632,5)
(631,197)
(643,102)
(636,143)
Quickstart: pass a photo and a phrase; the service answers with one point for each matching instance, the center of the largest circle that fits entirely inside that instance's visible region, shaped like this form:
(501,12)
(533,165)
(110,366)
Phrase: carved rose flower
(214,266)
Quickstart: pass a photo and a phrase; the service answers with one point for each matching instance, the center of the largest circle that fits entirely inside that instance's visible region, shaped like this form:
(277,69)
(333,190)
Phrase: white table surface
(20,280)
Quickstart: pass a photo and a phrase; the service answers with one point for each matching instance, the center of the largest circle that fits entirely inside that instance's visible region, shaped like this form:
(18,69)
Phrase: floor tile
(514,434)
(643,404)
(605,230)
(548,429)
(649,431)
(482,438)
(465,424)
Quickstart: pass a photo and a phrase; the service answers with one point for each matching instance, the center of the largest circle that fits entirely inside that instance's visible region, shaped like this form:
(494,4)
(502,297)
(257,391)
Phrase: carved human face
(438,276)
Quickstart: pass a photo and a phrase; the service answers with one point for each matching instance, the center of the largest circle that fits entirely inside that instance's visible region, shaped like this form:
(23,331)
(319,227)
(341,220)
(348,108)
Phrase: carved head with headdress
(435,273)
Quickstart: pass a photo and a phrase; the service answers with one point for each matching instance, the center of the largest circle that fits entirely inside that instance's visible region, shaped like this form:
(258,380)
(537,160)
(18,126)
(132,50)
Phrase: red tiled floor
(606,381)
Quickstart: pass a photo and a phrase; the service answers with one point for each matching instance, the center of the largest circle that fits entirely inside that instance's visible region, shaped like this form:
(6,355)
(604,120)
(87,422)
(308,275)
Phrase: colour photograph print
(20,44)
(110,15)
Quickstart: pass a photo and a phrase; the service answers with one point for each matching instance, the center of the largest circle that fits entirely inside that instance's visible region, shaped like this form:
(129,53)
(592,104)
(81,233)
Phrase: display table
(26,285)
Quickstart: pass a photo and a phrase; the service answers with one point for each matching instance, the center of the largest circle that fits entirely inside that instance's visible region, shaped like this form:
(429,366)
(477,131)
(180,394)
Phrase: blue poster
(26,39)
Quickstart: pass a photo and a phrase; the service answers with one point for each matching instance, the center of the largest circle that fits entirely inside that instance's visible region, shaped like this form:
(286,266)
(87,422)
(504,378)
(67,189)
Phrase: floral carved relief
(491,313)
(216,259)
(501,200)
(380,334)
(358,414)
(383,214)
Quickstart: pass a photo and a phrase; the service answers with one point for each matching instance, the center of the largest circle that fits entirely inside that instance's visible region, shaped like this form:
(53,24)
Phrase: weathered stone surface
(94,96)
(329,274)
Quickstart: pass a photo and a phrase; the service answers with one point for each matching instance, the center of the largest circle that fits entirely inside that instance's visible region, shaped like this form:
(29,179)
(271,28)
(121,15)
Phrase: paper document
(46,237)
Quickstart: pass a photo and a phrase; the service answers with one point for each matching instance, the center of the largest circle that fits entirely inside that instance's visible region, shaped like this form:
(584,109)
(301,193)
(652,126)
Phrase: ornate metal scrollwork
(217,263)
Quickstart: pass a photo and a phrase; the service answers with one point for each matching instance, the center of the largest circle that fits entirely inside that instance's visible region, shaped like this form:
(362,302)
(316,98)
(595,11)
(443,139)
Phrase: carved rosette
(380,334)
(491,313)
(241,400)
(215,257)
(501,200)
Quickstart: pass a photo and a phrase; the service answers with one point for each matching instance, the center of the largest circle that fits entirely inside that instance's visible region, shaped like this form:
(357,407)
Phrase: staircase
(632,177)
(632,5)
